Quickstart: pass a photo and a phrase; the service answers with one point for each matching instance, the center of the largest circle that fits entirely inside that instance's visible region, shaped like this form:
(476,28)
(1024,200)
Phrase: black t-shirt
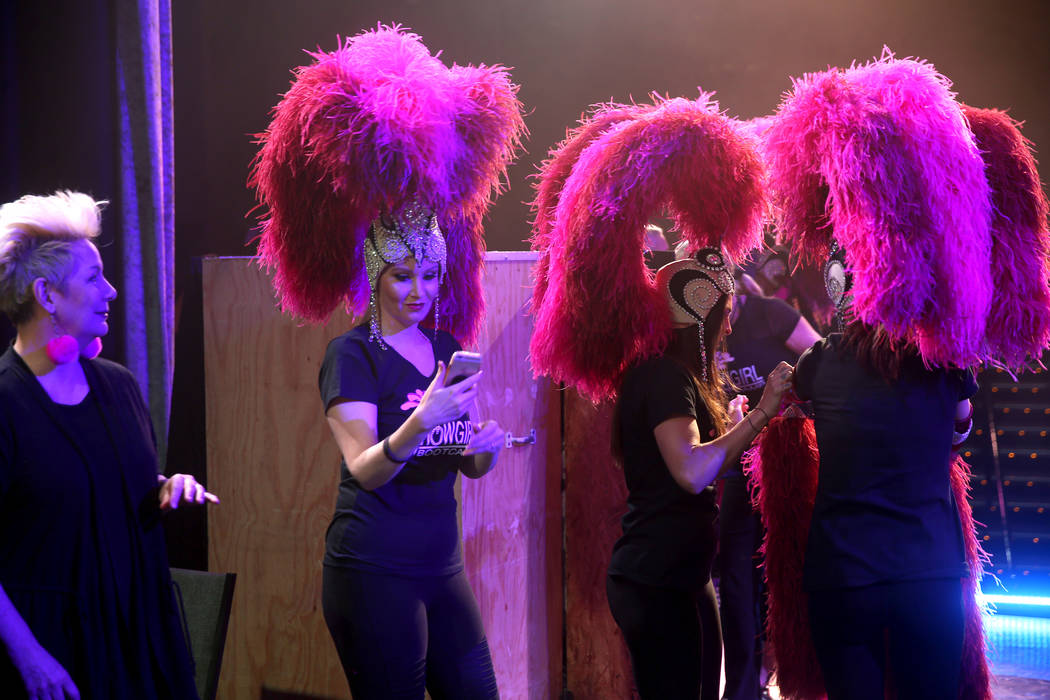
(669,534)
(884,507)
(758,343)
(408,525)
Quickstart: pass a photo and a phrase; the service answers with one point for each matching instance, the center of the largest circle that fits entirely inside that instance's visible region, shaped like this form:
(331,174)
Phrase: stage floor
(1019,651)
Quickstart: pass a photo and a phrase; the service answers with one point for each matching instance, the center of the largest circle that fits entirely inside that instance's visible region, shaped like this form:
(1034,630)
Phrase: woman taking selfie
(396,157)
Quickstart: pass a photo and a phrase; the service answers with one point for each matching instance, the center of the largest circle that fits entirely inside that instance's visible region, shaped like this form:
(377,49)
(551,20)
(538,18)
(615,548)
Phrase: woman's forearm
(738,439)
(376,466)
(707,460)
(15,634)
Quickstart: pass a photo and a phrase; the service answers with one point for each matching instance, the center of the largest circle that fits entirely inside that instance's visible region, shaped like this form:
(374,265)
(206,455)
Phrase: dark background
(232,60)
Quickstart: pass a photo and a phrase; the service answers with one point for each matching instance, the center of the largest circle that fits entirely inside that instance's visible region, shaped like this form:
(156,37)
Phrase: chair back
(204,601)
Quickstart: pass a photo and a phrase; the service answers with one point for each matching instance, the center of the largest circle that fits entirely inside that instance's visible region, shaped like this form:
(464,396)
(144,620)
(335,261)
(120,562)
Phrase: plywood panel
(597,662)
(271,458)
(272,461)
(512,516)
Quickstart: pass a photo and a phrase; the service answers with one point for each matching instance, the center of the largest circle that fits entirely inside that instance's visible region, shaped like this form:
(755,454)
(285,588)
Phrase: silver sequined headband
(412,231)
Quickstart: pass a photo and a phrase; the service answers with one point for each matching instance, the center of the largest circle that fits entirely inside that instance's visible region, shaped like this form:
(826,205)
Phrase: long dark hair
(684,348)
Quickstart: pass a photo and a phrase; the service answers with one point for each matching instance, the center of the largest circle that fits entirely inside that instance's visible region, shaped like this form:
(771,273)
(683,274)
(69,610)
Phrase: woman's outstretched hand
(441,403)
(43,677)
(737,409)
(183,488)
(777,384)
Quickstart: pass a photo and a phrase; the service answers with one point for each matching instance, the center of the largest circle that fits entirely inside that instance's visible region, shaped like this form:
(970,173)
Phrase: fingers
(439,378)
(467,383)
(781,377)
(184,488)
(488,437)
(175,485)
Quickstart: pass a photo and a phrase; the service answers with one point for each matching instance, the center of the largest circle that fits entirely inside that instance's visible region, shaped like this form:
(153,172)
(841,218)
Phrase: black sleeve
(670,393)
(348,372)
(782,319)
(805,369)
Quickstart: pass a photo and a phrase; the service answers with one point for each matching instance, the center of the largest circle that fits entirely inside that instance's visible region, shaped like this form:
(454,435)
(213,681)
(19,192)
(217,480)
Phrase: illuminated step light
(1026,600)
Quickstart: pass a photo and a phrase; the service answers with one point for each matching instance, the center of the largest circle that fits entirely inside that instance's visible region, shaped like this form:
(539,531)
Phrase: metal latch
(529,439)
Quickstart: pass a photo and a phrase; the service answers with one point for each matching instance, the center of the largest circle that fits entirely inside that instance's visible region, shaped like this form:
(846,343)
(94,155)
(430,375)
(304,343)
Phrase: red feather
(600,311)
(362,130)
(783,466)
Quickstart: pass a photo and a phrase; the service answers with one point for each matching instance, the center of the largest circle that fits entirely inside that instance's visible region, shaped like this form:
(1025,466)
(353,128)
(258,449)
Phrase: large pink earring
(92,349)
(63,348)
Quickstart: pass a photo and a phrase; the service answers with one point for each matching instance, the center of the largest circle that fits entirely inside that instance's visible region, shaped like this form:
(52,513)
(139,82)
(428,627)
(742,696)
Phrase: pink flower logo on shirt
(412,400)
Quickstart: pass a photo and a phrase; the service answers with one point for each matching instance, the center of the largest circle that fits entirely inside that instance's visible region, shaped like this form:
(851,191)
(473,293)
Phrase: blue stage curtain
(146,204)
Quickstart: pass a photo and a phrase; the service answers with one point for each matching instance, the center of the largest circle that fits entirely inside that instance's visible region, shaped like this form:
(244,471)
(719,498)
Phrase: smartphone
(462,365)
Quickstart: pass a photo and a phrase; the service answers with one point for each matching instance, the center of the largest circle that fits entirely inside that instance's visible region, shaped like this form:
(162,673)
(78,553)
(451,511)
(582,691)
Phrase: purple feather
(879,156)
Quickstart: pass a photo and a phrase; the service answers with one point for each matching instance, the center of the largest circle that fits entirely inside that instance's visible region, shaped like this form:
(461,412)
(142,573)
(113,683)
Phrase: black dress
(82,553)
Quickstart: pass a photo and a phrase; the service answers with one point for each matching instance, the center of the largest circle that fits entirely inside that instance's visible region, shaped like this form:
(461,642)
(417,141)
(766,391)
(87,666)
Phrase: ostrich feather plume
(1019,320)
(600,312)
(363,130)
(880,158)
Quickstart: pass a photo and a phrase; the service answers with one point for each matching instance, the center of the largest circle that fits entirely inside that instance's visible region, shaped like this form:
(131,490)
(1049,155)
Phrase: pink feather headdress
(553,173)
(880,158)
(364,130)
(597,309)
(1019,321)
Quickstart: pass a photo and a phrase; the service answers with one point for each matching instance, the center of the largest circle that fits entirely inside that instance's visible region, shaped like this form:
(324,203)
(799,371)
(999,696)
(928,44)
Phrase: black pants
(396,635)
(919,623)
(740,590)
(674,638)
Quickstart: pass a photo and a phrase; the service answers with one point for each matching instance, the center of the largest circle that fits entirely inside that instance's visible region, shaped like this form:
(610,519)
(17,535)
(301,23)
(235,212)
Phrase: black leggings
(920,624)
(397,634)
(674,638)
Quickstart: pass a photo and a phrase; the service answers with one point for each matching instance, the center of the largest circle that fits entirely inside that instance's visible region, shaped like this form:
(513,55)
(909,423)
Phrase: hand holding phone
(462,365)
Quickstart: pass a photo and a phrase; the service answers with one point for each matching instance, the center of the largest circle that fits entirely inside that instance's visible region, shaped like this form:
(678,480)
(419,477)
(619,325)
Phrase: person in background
(766,331)
(86,603)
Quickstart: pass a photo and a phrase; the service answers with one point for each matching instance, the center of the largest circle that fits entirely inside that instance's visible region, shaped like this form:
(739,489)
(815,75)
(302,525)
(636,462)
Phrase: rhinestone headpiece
(693,287)
(839,281)
(414,231)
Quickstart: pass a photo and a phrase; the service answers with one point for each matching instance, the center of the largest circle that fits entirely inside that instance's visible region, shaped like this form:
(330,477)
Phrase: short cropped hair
(36,233)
